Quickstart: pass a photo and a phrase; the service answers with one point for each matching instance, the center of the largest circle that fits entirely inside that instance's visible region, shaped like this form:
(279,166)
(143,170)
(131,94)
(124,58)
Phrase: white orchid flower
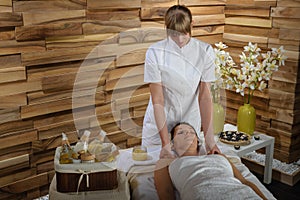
(221,45)
(252,86)
(253,72)
(262,86)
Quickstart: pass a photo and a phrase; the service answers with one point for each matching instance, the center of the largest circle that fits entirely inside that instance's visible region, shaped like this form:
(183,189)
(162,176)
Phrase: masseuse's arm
(157,95)
(206,112)
(238,175)
(162,180)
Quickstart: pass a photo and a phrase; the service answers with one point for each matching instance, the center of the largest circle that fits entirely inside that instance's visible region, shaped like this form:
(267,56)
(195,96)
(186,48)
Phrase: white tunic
(180,71)
(207,177)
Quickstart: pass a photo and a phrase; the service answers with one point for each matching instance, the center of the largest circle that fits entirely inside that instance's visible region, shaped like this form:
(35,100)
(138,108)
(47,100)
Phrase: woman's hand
(166,152)
(214,150)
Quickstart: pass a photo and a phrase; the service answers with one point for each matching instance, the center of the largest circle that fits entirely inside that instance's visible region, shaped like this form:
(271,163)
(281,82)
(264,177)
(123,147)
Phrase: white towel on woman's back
(207,177)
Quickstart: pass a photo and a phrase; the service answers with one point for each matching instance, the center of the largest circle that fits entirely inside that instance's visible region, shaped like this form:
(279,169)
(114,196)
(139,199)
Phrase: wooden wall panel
(202,3)
(14,163)
(251,3)
(56,5)
(66,42)
(36,32)
(286,12)
(17,138)
(36,18)
(55,56)
(284,98)
(145,35)
(14,47)
(155,9)
(8,61)
(10,19)
(67,66)
(113,4)
(270,26)
(15,177)
(208,30)
(244,11)
(249,21)
(12,74)
(111,21)
(13,101)
(6,6)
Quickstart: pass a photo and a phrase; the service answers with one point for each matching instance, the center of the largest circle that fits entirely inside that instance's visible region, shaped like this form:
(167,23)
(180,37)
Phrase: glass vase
(218,117)
(246,119)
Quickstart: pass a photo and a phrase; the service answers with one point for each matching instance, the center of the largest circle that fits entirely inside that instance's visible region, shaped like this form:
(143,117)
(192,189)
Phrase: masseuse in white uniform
(179,70)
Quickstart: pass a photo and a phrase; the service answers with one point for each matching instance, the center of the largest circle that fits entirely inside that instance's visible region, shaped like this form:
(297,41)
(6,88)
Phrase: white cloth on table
(207,177)
(125,161)
(180,71)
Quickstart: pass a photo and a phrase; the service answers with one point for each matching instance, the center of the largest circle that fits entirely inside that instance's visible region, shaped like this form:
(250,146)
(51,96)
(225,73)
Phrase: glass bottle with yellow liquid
(66,151)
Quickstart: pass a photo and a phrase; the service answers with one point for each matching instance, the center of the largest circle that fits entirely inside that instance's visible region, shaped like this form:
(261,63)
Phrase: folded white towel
(125,161)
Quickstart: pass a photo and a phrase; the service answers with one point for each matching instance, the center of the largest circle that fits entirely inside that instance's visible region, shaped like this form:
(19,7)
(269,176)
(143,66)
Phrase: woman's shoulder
(156,48)
(204,46)
(205,49)
(158,44)
(164,162)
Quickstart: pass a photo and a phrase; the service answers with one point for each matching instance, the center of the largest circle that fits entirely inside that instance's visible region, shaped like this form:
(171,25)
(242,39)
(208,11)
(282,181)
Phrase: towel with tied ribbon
(81,177)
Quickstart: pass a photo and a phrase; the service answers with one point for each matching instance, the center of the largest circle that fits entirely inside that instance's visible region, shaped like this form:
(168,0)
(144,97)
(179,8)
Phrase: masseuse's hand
(166,152)
(214,150)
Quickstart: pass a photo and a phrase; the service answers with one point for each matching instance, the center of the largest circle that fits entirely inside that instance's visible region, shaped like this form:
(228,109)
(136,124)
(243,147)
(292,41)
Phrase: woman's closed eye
(185,132)
(180,132)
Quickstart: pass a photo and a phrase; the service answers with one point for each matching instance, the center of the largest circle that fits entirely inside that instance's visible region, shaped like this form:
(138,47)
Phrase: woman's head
(178,21)
(185,139)
(178,18)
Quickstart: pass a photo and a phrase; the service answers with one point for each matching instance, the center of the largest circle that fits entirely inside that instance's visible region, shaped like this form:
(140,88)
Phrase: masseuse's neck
(181,41)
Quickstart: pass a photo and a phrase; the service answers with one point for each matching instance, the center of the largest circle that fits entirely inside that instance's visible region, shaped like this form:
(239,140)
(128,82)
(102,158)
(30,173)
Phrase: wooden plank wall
(98,46)
(269,24)
(284,87)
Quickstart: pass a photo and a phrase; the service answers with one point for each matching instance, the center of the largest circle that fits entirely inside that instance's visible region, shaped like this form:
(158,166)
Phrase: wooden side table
(265,141)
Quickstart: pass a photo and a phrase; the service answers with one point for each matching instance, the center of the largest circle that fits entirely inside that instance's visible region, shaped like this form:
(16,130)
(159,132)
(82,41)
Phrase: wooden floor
(282,191)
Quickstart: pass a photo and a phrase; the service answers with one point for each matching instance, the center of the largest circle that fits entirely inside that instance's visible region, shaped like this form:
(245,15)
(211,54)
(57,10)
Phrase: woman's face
(180,39)
(185,139)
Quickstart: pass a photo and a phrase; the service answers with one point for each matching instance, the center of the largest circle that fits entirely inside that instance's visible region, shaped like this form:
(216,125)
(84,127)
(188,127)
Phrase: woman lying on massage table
(196,176)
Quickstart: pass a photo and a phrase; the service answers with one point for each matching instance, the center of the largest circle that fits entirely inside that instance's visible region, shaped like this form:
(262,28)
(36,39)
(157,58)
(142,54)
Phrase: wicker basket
(85,176)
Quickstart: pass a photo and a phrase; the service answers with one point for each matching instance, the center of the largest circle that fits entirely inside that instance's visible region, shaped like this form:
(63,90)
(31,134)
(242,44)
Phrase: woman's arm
(160,118)
(206,112)
(239,176)
(162,180)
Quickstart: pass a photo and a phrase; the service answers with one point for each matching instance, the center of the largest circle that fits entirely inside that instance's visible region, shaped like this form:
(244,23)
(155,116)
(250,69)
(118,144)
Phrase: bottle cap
(64,136)
(87,133)
(102,136)
(102,133)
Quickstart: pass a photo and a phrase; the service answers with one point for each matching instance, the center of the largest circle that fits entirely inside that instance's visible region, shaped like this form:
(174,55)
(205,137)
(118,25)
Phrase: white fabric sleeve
(152,73)
(208,74)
